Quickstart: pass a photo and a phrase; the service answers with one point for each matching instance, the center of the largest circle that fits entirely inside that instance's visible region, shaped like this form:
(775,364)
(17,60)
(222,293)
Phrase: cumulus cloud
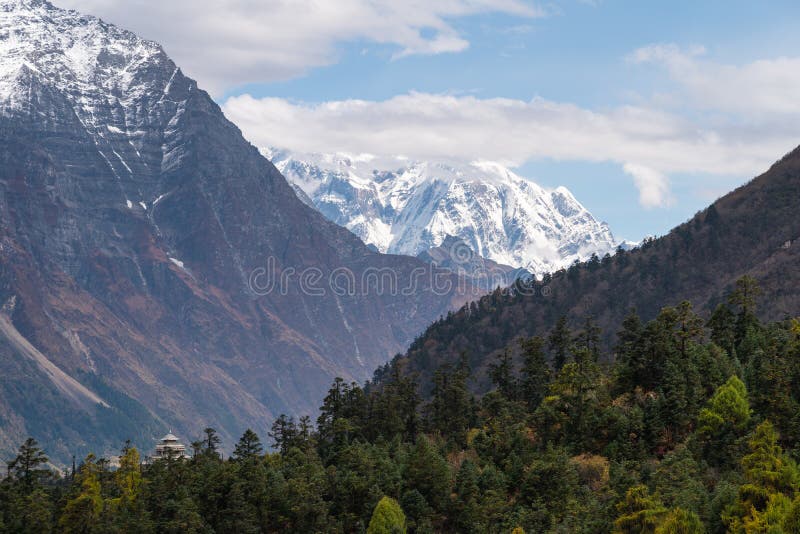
(648,143)
(653,186)
(229,43)
(766,86)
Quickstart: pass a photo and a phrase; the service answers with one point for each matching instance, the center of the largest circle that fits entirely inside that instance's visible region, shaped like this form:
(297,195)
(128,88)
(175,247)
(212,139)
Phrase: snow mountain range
(408,207)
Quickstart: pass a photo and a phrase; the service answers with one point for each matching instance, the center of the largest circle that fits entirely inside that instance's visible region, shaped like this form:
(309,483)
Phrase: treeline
(693,428)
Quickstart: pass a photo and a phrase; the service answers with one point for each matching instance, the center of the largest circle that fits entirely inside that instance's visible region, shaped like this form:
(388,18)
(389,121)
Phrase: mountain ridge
(134,219)
(753,230)
(406,207)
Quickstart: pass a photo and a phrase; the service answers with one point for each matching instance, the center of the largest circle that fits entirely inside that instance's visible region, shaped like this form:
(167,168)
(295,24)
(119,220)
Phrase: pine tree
(128,476)
(284,433)
(678,480)
(680,521)
(629,361)
(744,297)
(589,338)
(639,513)
(82,513)
(728,408)
(502,375)
(466,508)
(249,446)
(451,408)
(689,327)
(428,473)
(211,443)
(723,328)
(388,518)
(559,343)
(772,481)
(127,511)
(536,374)
(26,466)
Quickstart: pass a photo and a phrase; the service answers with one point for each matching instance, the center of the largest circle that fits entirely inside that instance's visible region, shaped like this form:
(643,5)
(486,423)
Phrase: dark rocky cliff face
(137,229)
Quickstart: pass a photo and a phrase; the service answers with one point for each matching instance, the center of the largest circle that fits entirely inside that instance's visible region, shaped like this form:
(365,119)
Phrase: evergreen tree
(723,328)
(679,521)
(428,473)
(211,442)
(342,416)
(728,408)
(502,375)
(689,327)
(284,433)
(466,506)
(249,446)
(723,420)
(630,361)
(589,338)
(535,372)
(744,297)
(451,408)
(559,343)
(388,518)
(127,511)
(678,480)
(772,481)
(26,466)
(639,512)
(82,513)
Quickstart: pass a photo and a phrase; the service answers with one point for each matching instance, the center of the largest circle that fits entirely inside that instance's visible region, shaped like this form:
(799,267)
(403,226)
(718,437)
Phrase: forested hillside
(755,231)
(694,428)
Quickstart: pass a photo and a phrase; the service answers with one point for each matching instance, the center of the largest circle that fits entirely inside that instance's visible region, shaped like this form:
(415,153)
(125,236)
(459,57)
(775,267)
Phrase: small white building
(170,447)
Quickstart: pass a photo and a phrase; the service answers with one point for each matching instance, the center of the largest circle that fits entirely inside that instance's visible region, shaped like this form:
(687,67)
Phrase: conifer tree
(639,512)
(680,521)
(284,433)
(559,343)
(723,328)
(630,362)
(211,442)
(536,374)
(502,374)
(248,447)
(388,518)
(744,298)
(451,408)
(589,338)
(82,513)
(728,408)
(772,481)
(26,465)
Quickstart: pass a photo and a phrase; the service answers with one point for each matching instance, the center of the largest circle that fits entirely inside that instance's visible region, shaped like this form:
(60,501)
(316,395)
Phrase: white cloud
(766,86)
(464,128)
(652,185)
(232,42)
(748,118)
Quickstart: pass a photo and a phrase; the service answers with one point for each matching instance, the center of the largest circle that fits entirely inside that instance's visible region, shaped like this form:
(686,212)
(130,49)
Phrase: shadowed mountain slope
(137,232)
(754,230)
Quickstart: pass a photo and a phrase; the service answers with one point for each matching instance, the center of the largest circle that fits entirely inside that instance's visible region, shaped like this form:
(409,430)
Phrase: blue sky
(647,111)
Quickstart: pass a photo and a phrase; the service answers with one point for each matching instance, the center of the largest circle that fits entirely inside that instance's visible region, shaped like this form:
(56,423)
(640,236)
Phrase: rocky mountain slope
(155,270)
(405,207)
(755,231)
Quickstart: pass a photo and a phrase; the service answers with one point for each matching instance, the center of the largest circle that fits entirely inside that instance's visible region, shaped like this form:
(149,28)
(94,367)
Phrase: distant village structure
(170,447)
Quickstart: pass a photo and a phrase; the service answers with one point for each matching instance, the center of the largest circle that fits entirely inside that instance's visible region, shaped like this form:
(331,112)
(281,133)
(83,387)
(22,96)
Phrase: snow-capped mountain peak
(121,90)
(76,52)
(402,206)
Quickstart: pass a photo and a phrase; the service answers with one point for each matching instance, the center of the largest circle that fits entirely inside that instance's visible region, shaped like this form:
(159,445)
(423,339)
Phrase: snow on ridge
(406,207)
(124,90)
(90,61)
